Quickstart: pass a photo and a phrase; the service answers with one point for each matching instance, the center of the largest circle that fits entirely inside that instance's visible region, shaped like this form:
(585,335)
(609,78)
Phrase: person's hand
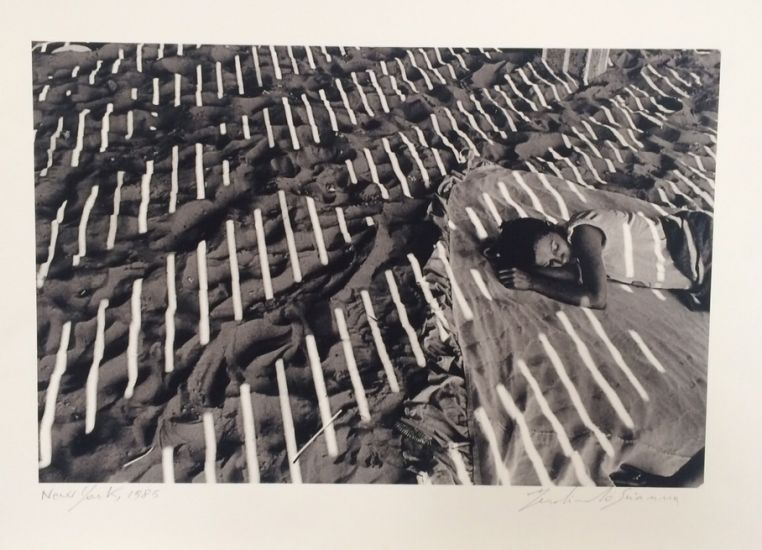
(515,278)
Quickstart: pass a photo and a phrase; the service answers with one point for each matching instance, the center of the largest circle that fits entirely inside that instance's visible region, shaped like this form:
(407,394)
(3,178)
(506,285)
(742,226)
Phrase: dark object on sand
(690,475)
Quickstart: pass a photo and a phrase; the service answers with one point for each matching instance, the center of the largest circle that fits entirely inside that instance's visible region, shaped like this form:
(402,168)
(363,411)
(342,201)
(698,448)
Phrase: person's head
(529,242)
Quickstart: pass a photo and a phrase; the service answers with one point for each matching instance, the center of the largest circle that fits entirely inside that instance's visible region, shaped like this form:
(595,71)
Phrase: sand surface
(132,120)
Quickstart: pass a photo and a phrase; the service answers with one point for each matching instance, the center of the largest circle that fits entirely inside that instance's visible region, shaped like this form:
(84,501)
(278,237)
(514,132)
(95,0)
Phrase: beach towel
(559,394)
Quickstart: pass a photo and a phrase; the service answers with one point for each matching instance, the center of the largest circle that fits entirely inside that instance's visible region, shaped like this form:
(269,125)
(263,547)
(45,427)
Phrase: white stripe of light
(322,395)
(234,274)
(492,209)
(544,81)
(579,467)
(425,76)
(461,133)
(555,360)
(178,87)
(417,158)
(526,437)
(345,101)
(98,65)
(105,127)
(427,294)
(435,123)
(615,353)
(646,351)
(516,91)
(317,231)
(83,225)
(199,86)
(268,127)
(587,359)
(396,168)
(80,138)
(483,421)
(403,318)
(490,122)
(481,233)
(294,65)
(51,396)
(168,464)
(257,69)
(431,67)
(249,434)
(468,315)
(262,253)
(536,204)
(472,122)
(460,466)
(288,422)
(534,86)
(660,261)
(351,171)
(424,143)
(276,65)
(52,148)
(245,127)
(291,242)
(363,97)
(507,117)
(379,91)
(111,237)
(556,195)
(210,448)
(379,341)
(331,114)
(507,198)
(145,197)
(290,123)
(42,274)
(343,225)
(442,63)
(374,173)
(311,119)
(133,339)
(91,386)
(349,357)
(480,284)
(203,296)
(169,315)
(239,75)
(629,263)
(200,185)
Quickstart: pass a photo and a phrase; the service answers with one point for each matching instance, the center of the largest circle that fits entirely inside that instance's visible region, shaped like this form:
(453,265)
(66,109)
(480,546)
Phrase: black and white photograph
(373,265)
(380,275)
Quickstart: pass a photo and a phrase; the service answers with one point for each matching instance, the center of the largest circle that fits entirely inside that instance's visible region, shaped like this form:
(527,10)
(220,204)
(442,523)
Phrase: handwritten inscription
(601,499)
(78,496)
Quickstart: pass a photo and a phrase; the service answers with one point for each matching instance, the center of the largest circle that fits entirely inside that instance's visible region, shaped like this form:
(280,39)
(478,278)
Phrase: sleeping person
(572,262)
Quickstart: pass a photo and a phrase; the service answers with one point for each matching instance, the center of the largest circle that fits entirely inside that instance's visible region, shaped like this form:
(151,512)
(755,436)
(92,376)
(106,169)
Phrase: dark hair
(514,245)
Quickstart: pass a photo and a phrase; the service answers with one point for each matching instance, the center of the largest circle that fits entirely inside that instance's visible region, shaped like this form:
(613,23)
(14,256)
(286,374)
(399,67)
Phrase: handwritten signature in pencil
(603,499)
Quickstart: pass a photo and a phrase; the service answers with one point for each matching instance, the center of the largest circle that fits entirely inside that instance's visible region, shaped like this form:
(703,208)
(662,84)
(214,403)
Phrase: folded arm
(569,273)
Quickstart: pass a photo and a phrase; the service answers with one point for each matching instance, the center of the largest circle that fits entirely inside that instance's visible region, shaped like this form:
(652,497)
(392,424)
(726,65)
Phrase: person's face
(552,250)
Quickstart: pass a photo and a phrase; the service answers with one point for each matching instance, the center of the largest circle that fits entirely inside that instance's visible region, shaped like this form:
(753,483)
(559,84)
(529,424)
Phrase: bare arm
(569,273)
(588,291)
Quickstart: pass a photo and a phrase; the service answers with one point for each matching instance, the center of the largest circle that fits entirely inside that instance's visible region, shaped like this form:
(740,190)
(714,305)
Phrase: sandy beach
(206,213)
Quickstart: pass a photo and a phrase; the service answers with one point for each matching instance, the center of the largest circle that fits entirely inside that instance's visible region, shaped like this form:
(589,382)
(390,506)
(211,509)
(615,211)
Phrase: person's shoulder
(586,234)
